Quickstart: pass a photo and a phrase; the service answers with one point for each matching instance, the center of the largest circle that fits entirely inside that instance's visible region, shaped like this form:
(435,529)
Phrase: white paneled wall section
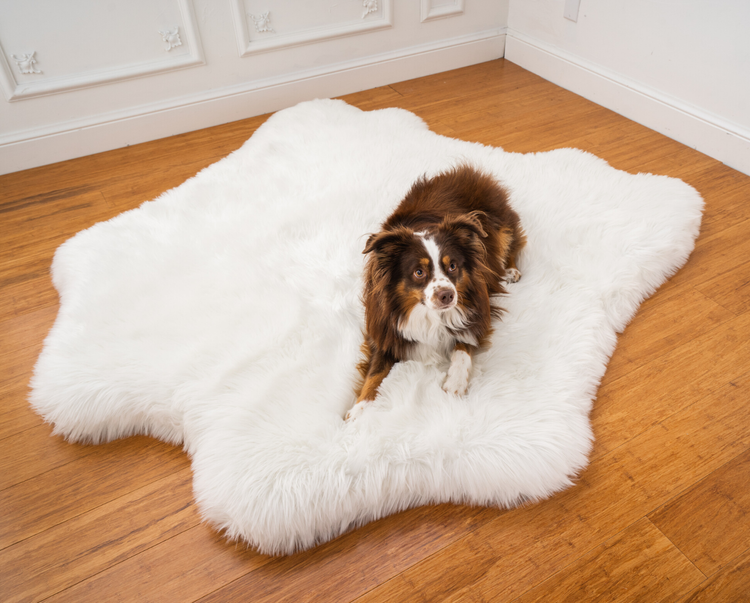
(91,75)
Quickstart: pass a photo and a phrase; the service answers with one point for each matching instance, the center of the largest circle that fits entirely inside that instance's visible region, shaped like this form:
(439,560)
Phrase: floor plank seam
(110,567)
(677,548)
(695,483)
(666,418)
(12,435)
(424,559)
(141,485)
(602,543)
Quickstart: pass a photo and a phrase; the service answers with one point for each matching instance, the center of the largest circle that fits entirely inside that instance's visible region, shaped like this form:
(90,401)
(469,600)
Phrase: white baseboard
(690,125)
(33,148)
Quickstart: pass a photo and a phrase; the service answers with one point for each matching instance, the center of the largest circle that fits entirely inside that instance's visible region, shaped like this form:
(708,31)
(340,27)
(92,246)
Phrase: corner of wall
(691,126)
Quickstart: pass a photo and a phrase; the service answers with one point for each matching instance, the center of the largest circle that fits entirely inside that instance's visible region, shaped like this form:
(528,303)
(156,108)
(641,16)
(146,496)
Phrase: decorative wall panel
(263,25)
(47,46)
(437,9)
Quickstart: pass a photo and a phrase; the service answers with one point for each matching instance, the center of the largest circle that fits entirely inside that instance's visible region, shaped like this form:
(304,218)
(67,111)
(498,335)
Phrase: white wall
(681,67)
(106,78)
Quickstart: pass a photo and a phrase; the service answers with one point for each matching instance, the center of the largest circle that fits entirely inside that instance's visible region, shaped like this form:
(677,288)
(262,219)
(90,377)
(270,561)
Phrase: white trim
(32,148)
(15,91)
(699,129)
(247,47)
(430,13)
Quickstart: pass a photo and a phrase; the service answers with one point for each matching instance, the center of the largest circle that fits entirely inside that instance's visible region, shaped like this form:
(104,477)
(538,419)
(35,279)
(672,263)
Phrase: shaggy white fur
(225,315)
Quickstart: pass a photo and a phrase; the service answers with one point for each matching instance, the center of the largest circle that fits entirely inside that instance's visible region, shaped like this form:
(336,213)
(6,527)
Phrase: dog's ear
(382,240)
(370,245)
(471,222)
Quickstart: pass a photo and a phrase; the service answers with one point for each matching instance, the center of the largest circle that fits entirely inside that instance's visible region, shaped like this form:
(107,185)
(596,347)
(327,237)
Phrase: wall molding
(247,47)
(699,129)
(16,91)
(32,148)
(430,12)
(26,62)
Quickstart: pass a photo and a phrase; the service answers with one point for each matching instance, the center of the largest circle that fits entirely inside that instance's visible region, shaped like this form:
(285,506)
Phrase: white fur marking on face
(439,278)
(436,330)
(458,374)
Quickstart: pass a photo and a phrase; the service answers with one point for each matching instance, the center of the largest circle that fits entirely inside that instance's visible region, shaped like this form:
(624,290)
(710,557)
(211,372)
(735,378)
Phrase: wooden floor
(661,514)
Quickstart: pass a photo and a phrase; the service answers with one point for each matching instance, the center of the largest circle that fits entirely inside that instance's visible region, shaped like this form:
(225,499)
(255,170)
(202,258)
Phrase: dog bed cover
(226,316)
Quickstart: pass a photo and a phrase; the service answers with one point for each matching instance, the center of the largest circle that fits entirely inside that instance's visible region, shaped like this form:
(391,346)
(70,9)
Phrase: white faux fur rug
(225,315)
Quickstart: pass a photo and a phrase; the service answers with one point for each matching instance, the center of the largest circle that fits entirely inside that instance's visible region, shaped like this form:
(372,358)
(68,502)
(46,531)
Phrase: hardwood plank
(22,337)
(725,192)
(519,549)
(710,523)
(24,333)
(471,81)
(633,148)
(357,561)
(714,255)
(639,564)
(29,295)
(669,158)
(30,198)
(688,445)
(731,290)
(556,130)
(514,127)
(85,545)
(45,210)
(65,175)
(183,568)
(34,451)
(106,473)
(28,246)
(688,373)
(730,584)
(14,384)
(664,323)
(17,414)
(18,419)
(374,98)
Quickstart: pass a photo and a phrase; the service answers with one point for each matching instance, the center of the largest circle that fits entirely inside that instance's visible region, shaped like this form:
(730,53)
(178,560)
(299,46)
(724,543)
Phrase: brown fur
(468,215)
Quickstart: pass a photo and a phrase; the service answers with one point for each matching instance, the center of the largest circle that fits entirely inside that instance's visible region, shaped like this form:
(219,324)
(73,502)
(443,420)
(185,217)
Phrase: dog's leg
(378,364)
(457,380)
(512,273)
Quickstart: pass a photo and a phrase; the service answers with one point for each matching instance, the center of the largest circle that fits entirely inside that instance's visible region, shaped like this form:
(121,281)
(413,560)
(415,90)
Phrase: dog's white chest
(433,332)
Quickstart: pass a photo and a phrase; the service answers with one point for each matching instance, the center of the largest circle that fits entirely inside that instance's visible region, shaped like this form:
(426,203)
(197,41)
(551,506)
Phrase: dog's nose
(445,296)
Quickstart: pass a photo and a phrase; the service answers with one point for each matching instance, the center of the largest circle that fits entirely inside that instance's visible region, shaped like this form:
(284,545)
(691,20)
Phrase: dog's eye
(419,273)
(452,267)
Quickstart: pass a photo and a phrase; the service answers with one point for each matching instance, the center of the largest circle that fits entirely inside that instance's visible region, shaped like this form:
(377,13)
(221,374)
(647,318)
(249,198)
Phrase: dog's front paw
(455,385)
(512,275)
(355,411)
(457,381)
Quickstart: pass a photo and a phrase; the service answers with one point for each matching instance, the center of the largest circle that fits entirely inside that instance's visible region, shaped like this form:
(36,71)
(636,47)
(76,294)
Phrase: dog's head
(432,270)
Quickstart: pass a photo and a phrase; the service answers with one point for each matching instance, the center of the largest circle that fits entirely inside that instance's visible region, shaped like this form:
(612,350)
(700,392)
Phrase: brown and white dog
(431,274)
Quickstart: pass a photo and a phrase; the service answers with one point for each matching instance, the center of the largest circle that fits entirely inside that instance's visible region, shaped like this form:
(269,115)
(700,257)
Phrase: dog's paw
(455,385)
(355,411)
(512,275)
(457,381)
